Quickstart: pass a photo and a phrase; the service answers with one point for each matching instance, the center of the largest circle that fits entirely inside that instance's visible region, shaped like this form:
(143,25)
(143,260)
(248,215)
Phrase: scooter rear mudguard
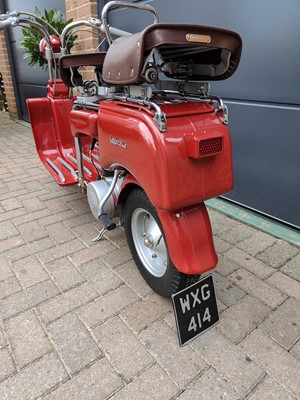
(188,234)
(189,239)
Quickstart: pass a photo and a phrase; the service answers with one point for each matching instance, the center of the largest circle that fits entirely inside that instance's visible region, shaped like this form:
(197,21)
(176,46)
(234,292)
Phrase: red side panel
(164,163)
(50,123)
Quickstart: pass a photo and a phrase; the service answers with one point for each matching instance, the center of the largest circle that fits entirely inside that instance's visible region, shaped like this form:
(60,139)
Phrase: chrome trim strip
(56,169)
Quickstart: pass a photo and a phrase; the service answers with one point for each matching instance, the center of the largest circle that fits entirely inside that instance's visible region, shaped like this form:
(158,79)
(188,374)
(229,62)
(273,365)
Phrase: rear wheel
(147,244)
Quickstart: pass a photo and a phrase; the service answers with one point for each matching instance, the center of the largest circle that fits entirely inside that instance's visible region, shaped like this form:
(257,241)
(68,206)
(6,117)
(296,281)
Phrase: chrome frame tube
(116,4)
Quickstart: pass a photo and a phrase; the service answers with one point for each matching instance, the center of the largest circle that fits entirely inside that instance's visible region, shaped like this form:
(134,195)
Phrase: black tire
(147,244)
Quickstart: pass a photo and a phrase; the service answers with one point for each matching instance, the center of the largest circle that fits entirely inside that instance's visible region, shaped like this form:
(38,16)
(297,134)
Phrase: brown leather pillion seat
(188,52)
(69,64)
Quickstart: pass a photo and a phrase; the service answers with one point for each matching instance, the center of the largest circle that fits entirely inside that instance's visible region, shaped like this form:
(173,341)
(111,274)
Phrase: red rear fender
(189,239)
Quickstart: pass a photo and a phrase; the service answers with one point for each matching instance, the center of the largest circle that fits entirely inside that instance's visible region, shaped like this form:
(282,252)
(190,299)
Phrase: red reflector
(210,146)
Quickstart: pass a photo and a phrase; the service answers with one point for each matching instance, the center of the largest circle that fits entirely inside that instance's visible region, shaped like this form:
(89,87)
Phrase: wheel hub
(149,242)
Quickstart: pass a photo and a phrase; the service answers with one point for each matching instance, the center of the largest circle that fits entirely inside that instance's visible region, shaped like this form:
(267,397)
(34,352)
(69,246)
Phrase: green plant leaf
(32,36)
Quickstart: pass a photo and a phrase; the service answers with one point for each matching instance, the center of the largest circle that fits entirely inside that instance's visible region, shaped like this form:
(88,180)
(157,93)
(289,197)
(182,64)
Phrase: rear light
(207,146)
(210,147)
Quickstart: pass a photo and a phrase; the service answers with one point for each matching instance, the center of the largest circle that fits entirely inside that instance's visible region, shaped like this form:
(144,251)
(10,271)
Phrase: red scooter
(144,138)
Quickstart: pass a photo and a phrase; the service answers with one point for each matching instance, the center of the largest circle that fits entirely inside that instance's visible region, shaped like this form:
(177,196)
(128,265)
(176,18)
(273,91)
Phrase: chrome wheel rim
(149,242)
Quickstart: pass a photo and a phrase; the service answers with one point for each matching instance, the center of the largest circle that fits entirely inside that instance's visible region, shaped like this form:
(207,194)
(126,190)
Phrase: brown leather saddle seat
(69,64)
(188,52)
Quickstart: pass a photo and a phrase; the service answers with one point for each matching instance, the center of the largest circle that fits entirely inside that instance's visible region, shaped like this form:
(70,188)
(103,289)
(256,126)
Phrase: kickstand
(100,236)
(102,232)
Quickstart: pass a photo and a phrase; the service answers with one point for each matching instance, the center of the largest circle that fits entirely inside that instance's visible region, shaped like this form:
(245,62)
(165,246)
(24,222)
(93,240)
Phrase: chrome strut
(108,224)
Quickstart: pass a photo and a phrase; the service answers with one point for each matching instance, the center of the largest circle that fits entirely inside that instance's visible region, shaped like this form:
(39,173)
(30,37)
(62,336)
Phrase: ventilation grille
(208,147)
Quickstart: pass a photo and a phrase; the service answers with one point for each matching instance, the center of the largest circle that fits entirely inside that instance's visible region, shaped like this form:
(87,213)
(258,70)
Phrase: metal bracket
(159,116)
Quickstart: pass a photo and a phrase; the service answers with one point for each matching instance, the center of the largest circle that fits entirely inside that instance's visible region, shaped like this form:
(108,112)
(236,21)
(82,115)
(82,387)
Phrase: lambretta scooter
(145,138)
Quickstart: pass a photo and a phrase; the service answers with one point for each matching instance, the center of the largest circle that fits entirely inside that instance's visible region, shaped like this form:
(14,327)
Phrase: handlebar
(9,22)
(3,17)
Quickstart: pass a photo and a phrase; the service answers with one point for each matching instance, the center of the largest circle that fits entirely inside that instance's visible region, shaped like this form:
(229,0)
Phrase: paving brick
(5,268)
(117,257)
(230,363)
(117,236)
(54,218)
(257,288)
(56,206)
(125,352)
(28,217)
(76,220)
(152,384)
(3,341)
(249,263)
(32,231)
(33,204)
(101,277)
(292,268)
(210,386)
(237,234)
(220,223)
(27,338)
(35,379)
(131,275)
(285,284)
(278,254)
(7,230)
(86,233)
(29,249)
(181,363)
(73,342)
(33,185)
(226,266)
(147,311)
(11,244)
(97,382)
(79,206)
(257,243)
(60,251)
(91,253)
(226,291)
(7,366)
(11,204)
(66,302)
(107,306)
(279,363)
(283,325)
(64,274)
(296,349)
(242,317)
(74,196)
(5,216)
(59,233)
(9,286)
(30,271)
(221,246)
(269,389)
(29,298)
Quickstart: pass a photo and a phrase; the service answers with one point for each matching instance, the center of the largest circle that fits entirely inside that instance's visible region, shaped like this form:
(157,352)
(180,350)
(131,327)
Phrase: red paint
(175,168)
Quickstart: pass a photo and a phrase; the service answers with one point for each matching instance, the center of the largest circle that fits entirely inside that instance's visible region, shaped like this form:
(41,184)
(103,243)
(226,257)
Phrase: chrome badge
(118,142)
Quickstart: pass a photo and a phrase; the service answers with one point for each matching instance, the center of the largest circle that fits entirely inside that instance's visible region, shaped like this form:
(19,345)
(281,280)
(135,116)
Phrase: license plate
(195,309)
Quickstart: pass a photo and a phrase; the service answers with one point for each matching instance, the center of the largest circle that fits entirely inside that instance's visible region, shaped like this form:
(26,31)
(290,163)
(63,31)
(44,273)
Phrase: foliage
(32,36)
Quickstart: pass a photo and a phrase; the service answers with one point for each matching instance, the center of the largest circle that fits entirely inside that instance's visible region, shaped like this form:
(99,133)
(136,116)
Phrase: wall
(7,77)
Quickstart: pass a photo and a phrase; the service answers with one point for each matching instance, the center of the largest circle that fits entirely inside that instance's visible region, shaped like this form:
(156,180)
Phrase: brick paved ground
(78,321)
